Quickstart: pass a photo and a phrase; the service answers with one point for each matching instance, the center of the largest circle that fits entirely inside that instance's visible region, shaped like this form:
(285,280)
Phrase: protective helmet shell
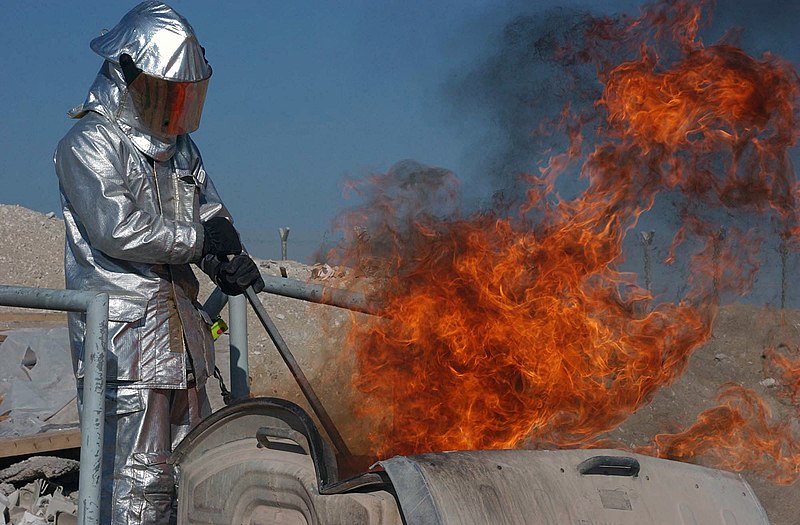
(160,41)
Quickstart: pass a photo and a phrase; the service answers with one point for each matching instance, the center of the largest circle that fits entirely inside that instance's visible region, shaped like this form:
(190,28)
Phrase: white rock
(30,519)
(768,382)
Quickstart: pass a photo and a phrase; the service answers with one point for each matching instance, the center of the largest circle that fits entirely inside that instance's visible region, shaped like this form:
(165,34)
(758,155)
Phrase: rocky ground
(315,334)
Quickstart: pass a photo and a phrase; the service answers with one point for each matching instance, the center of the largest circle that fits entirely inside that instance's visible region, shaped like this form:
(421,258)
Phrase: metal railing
(237,330)
(240,368)
(92,416)
(95,304)
(94,382)
(237,311)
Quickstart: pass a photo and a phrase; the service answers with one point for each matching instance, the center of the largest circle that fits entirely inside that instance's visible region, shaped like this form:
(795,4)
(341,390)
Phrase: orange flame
(737,435)
(788,369)
(500,334)
(506,331)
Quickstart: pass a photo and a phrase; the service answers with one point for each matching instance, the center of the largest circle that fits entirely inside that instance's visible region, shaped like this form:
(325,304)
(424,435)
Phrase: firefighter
(139,209)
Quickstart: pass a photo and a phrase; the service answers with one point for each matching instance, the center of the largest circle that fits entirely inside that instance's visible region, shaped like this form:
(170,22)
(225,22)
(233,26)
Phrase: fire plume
(507,329)
(739,434)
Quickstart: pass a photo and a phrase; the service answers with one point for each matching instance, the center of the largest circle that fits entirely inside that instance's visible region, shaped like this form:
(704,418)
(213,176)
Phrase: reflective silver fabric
(133,226)
(174,72)
(142,427)
(159,40)
(133,204)
(161,43)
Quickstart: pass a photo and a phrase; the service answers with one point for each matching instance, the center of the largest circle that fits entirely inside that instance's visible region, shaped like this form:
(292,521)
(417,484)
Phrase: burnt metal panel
(575,487)
(262,460)
(243,419)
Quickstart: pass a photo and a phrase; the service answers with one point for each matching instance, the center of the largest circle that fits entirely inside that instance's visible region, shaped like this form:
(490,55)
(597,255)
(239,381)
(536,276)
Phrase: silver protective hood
(159,40)
(162,44)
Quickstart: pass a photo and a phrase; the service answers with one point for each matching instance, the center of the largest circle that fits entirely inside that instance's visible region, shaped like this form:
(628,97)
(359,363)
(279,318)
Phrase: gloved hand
(234,276)
(221,238)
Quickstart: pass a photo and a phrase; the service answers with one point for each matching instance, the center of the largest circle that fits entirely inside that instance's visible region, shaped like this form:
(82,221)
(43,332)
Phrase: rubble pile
(32,493)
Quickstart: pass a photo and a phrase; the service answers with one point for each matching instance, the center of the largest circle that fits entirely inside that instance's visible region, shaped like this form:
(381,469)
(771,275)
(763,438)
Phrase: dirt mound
(33,248)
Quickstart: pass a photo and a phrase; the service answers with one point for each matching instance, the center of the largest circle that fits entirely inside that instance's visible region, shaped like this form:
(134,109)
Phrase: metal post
(95,304)
(240,373)
(93,409)
(647,241)
(284,233)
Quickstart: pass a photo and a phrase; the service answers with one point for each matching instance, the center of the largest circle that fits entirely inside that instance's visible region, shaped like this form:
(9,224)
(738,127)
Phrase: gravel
(32,253)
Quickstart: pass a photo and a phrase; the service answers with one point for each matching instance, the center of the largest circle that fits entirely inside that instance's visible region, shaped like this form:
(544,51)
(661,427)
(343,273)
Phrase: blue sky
(304,95)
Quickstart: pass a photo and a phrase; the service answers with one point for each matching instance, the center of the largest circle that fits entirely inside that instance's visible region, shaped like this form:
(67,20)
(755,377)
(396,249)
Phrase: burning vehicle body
(262,461)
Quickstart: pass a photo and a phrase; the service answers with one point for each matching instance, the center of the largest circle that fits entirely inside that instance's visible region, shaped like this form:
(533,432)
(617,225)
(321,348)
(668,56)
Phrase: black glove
(234,276)
(221,238)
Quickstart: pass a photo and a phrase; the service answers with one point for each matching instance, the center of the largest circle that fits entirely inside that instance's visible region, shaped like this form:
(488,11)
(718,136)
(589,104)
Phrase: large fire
(520,329)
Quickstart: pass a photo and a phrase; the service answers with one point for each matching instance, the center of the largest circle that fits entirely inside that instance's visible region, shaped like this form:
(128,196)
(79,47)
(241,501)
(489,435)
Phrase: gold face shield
(168,107)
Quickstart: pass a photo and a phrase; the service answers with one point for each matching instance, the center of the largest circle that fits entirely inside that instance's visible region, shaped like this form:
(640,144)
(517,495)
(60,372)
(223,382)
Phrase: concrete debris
(38,503)
(3,507)
(48,467)
(322,272)
(36,379)
(721,357)
(30,519)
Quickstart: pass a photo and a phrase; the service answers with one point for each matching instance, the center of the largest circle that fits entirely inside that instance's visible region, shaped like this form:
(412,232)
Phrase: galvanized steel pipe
(240,371)
(294,289)
(317,293)
(93,409)
(215,303)
(95,304)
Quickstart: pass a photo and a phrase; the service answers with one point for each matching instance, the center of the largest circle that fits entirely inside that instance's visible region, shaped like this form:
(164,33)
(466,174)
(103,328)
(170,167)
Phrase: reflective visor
(168,107)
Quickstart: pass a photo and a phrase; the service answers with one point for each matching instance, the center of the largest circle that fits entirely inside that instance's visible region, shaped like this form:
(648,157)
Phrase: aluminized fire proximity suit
(135,200)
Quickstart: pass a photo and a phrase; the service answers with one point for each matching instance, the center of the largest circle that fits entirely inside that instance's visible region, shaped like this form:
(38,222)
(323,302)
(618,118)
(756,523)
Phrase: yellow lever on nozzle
(218,328)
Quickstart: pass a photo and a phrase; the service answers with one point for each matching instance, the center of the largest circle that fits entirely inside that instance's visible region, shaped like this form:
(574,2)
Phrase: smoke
(396,202)
(765,26)
(536,71)
(541,62)
(548,64)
